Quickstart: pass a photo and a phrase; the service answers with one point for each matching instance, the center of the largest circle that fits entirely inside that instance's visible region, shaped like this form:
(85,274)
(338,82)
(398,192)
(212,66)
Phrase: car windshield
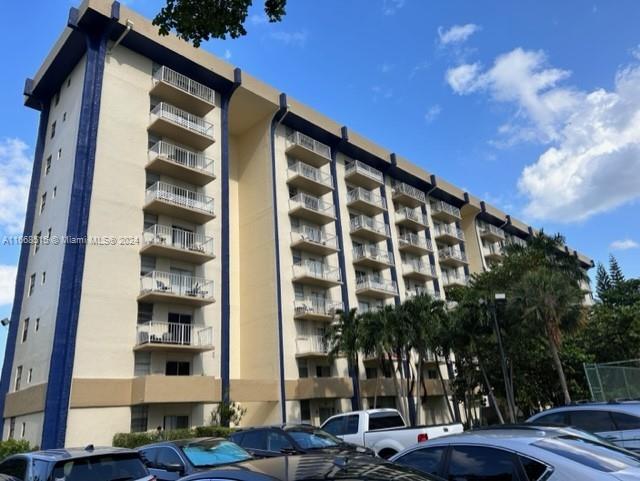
(313,438)
(101,468)
(589,453)
(214,453)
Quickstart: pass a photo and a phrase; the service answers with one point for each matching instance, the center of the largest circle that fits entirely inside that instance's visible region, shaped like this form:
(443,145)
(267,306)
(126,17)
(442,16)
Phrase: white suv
(617,422)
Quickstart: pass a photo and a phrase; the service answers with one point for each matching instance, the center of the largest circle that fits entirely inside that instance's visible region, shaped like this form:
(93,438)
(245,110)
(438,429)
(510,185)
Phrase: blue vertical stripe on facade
(63,352)
(21,275)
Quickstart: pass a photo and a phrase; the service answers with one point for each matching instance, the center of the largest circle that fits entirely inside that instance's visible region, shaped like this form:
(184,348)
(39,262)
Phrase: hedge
(133,440)
(13,446)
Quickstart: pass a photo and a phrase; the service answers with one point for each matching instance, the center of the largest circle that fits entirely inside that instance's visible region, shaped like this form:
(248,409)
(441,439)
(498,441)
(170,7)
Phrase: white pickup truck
(383,430)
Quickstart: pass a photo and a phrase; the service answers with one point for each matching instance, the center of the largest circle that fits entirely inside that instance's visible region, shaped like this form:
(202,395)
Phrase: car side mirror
(173,467)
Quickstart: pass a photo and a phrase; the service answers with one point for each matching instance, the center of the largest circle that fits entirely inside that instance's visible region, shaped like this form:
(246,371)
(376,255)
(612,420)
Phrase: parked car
(353,467)
(75,464)
(618,422)
(269,441)
(521,454)
(383,430)
(170,460)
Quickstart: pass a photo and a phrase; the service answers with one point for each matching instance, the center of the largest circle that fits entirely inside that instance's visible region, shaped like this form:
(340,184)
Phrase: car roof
(285,427)
(53,455)
(617,406)
(179,442)
(317,466)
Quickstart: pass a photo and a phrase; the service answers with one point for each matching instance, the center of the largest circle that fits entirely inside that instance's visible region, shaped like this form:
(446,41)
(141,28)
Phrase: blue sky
(532,106)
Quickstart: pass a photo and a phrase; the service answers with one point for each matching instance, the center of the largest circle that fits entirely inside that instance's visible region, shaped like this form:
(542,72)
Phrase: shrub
(134,440)
(13,446)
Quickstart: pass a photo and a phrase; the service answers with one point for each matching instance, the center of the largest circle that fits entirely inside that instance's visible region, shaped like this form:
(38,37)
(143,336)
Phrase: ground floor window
(305,411)
(175,422)
(139,419)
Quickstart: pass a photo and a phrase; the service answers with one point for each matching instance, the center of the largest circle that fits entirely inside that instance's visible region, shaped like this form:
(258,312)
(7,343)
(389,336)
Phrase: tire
(387,453)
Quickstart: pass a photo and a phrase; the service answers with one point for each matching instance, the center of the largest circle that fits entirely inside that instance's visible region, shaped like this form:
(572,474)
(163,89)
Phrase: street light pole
(503,358)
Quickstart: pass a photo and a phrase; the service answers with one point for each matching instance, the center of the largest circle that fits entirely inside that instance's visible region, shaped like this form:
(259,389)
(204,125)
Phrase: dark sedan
(355,467)
(170,460)
(287,439)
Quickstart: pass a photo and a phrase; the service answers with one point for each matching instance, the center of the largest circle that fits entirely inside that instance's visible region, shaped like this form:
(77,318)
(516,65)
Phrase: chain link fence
(614,380)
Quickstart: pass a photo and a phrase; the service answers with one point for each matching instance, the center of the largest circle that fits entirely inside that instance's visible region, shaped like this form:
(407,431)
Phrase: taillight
(422,437)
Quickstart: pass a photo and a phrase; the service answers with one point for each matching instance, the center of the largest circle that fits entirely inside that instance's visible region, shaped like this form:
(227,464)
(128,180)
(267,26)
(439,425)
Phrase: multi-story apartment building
(196,231)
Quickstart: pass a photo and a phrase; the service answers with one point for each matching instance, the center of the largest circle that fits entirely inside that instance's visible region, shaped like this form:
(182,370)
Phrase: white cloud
(635,52)
(15,175)
(227,54)
(456,34)
(432,113)
(7,284)
(390,7)
(298,39)
(621,245)
(257,19)
(463,79)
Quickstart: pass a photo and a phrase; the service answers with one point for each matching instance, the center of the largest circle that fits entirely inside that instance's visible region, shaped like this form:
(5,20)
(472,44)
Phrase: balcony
(448,234)
(164,241)
(452,257)
(368,228)
(316,274)
(180,90)
(315,241)
(493,253)
(312,346)
(444,212)
(180,163)
(490,233)
(309,179)
(419,271)
(376,287)
(172,336)
(366,201)
(372,257)
(408,195)
(361,174)
(168,199)
(411,218)
(454,279)
(316,309)
(312,209)
(158,286)
(414,244)
(308,150)
(511,240)
(184,127)
(420,291)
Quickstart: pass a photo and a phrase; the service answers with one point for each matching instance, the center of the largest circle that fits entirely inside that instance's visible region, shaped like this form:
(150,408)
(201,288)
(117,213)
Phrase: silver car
(618,422)
(521,455)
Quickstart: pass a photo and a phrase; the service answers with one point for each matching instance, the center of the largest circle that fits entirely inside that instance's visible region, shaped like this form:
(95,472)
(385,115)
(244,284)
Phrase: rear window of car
(594,455)
(625,422)
(385,421)
(101,468)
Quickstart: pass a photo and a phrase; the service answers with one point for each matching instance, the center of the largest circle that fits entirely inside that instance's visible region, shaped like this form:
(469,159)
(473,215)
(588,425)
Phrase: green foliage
(615,273)
(199,20)
(134,440)
(14,446)
(227,413)
(603,281)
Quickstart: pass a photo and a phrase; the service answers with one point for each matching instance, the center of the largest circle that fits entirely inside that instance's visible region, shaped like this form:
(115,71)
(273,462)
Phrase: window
(142,364)
(303,368)
(47,166)
(175,422)
(167,456)
(323,371)
(385,421)
(625,422)
(69,82)
(14,467)
(592,421)
(44,277)
(371,372)
(64,117)
(145,312)
(147,264)
(255,439)
(276,442)
(351,424)
(25,329)
(32,284)
(55,191)
(53,130)
(37,324)
(23,430)
(139,419)
(12,430)
(533,468)
(29,375)
(298,289)
(16,386)
(305,411)
(335,426)
(57,98)
(427,460)
(177,368)
(43,202)
(59,154)
(553,418)
(36,248)
(479,463)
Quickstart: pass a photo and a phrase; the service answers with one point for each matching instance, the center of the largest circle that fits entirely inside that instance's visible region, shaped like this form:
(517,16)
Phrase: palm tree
(552,300)
(373,343)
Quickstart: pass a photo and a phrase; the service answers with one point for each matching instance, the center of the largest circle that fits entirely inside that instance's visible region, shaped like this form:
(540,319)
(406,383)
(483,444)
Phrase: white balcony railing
(311,173)
(184,83)
(376,283)
(318,270)
(316,307)
(441,206)
(183,119)
(450,253)
(164,235)
(364,169)
(176,284)
(449,229)
(179,196)
(511,239)
(373,253)
(408,190)
(486,228)
(315,236)
(493,249)
(368,223)
(454,277)
(181,156)
(410,239)
(312,344)
(307,142)
(419,266)
(312,203)
(418,291)
(412,215)
(174,334)
(366,196)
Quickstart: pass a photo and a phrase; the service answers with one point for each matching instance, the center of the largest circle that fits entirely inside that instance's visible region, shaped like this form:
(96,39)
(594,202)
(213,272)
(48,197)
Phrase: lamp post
(501,297)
